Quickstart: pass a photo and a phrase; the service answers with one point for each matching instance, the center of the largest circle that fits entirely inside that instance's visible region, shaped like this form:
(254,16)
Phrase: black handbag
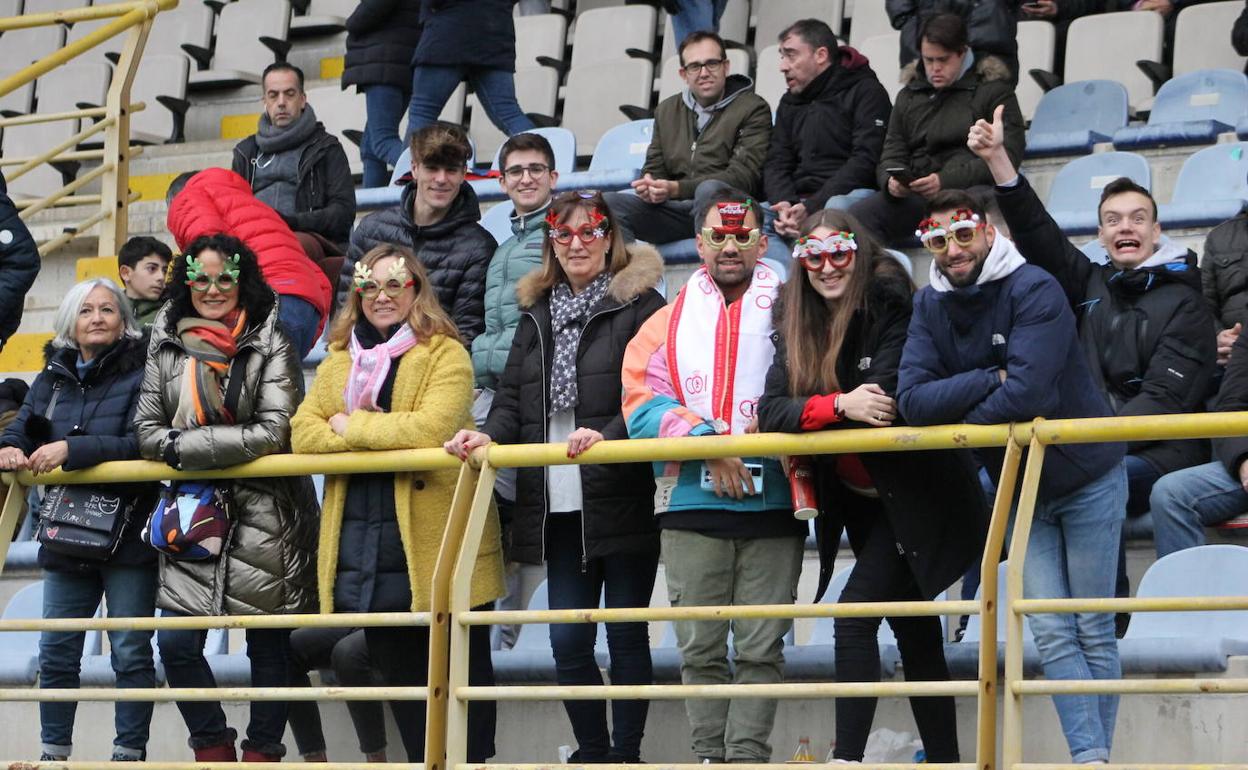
(80,520)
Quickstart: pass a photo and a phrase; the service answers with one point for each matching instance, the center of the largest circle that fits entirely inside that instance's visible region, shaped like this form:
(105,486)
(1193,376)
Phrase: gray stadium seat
(190,24)
(870,19)
(1072,118)
(537,91)
(768,82)
(323,17)
(670,82)
(1196,49)
(160,83)
(111,46)
(341,111)
(594,94)
(20,100)
(541,35)
(604,35)
(781,13)
(10,8)
(617,160)
(24,46)
(51,6)
(881,51)
(19,650)
(249,35)
(1036,43)
(1107,46)
(1212,187)
(1191,109)
(1075,194)
(734,26)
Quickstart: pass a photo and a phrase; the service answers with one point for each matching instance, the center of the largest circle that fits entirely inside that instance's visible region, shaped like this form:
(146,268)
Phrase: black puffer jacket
(941,524)
(1233,397)
(98,410)
(456,251)
(828,138)
(381,38)
(19,264)
(1224,272)
(325,196)
(1148,336)
(479,33)
(618,500)
(992,25)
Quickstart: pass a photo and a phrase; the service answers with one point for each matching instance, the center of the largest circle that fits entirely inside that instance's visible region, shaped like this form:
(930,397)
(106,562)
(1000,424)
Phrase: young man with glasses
(728,534)
(993,340)
(439,219)
(713,134)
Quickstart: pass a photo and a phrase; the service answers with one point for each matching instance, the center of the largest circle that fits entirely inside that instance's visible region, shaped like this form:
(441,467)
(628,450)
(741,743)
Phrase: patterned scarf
(210,346)
(568,314)
(371,366)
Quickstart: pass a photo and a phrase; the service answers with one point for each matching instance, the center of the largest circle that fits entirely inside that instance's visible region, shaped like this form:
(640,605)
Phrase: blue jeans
(382,145)
(131,593)
(268,649)
(1071,554)
(1185,502)
(299,319)
(698,16)
(627,581)
(495,89)
(844,201)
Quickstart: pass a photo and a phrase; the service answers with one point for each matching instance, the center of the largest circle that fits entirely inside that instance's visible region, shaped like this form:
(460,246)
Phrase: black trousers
(883,574)
(344,651)
(401,655)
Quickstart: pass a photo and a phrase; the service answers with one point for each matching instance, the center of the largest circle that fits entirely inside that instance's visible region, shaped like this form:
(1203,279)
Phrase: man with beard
(993,340)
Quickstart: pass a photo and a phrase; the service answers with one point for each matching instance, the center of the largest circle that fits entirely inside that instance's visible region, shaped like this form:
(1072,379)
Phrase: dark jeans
(893,220)
(882,574)
(299,319)
(1141,476)
(659,222)
(268,649)
(626,580)
(382,145)
(495,89)
(344,651)
(401,655)
(131,593)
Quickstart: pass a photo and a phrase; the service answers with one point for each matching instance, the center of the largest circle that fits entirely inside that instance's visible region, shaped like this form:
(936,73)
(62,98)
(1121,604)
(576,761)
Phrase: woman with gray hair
(80,412)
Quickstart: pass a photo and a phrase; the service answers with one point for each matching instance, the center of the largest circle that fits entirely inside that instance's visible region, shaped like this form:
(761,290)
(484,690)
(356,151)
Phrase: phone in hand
(755,470)
(902,174)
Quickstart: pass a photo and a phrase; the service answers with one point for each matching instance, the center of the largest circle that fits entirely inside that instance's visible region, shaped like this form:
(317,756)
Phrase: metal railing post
(11,514)
(115,187)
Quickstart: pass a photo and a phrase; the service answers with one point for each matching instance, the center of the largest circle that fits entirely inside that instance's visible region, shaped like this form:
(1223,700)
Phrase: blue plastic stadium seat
(1191,109)
(562,141)
(1212,187)
(498,220)
(1075,195)
(1072,118)
(19,650)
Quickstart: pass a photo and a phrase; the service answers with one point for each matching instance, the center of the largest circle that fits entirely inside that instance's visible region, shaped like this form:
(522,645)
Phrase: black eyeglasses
(711,65)
(535,170)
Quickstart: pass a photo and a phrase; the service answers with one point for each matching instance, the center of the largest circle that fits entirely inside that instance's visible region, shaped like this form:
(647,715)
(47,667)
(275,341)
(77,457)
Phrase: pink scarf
(371,366)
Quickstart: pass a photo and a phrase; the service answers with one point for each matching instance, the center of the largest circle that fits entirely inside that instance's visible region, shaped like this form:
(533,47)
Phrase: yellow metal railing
(450,616)
(133,18)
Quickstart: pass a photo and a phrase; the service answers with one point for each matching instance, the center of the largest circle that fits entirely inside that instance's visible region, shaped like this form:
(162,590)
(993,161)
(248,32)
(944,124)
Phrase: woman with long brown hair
(396,377)
(843,321)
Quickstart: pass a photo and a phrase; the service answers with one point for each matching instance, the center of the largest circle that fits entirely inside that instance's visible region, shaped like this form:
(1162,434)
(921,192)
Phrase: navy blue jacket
(474,33)
(949,369)
(95,417)
(381,38)
(19,264)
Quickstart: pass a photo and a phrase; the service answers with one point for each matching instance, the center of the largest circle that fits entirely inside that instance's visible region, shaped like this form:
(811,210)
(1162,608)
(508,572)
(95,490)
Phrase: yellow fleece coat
(432,400)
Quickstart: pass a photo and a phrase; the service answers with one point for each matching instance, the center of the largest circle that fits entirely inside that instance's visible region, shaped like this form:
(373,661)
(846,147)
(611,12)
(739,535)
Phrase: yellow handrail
(92,13)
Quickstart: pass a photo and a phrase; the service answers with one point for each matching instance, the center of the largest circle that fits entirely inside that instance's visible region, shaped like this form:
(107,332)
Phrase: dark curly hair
(254,295)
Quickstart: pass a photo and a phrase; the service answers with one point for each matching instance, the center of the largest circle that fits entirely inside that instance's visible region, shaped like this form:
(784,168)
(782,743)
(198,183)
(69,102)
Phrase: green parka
(514,259)
(270,563)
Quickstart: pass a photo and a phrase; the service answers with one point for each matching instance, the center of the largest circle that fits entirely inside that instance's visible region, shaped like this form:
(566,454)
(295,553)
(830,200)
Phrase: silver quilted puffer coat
(269,566)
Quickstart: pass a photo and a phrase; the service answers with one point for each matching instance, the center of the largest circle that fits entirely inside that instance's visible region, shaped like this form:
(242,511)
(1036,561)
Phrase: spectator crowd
(799,318)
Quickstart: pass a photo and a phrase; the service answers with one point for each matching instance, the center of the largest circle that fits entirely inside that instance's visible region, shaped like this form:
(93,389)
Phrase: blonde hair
(563,206)
(426,317)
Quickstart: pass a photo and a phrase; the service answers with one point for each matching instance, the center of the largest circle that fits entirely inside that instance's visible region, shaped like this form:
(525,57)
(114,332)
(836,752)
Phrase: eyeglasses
(535,170)
(224,282)
(938,242)
(710,65)
(393,288)
(837,249)
(718,241)
(586,232)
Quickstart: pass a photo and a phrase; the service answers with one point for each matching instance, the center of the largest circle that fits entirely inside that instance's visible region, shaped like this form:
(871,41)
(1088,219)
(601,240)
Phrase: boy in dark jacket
(19,264)
(829,127)
(1146,331)
(992,340)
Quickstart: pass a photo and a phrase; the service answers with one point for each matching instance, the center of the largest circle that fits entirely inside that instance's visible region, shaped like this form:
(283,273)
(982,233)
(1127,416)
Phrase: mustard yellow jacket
(432,400)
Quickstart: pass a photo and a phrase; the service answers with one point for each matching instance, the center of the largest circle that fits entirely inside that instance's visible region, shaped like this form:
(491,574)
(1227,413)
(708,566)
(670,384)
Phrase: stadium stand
(1076,192)
(538,36)
(1190,109)
(256,32)
(1036,43)
(1108,45)
(19,650)
(322,17)
(1195,48)
(160,84)
(1072,118)
(870,19)
(594,94)
(1212,187)
(881,51)
(605,35)
(768,81)
(781,13)
(537,91)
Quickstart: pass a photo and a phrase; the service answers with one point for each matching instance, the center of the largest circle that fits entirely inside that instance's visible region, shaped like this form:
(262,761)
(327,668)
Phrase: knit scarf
(270,138)
(371,366)
(568,315)
(210,346)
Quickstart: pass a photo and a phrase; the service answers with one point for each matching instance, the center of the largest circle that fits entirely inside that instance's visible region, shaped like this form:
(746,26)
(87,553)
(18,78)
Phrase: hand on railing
(48,457)
(581,439)
(868,403)
(466,442)
(13,459)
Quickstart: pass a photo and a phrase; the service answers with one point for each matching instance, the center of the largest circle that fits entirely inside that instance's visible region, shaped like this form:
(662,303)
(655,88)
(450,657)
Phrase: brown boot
(220,753)
(251,755)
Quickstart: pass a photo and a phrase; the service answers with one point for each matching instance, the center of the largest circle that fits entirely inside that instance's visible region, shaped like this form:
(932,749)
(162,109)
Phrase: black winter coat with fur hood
(618,499)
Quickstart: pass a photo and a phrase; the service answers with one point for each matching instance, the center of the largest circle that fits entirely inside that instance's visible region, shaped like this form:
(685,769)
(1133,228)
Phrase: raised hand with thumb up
(987,141)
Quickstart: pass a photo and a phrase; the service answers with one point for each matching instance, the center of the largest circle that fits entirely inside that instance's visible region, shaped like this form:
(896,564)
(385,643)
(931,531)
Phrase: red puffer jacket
(217,200)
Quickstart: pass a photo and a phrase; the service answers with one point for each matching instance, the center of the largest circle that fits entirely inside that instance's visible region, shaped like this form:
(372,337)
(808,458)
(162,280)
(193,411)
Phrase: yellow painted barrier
(24,352)
(97,267)
(239,126)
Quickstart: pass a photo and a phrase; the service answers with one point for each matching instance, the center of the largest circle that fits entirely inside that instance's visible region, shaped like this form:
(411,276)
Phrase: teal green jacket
(516,257)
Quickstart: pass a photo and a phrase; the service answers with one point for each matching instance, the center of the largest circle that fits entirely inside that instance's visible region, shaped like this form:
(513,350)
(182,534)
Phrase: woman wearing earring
(221,324)
(593,525)
(396,377)
(842,323)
